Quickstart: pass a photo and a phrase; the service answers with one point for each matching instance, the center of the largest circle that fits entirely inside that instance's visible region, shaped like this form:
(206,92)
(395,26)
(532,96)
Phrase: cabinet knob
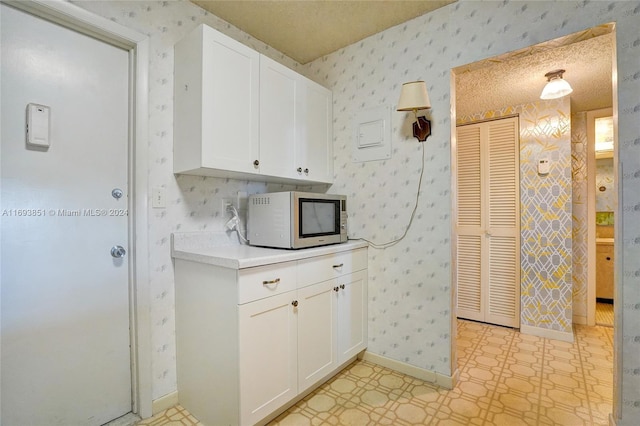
(295,303)
(336,289)
(342,286)
(276,281)
(339,265)
(299,169)
(306,171)
(256,163)
(608,258)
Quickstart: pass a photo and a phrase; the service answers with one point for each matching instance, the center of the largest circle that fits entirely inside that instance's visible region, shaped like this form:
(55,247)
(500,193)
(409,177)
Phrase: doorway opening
(555,272)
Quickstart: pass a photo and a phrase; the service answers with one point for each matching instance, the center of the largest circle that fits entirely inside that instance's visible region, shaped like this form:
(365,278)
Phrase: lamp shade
(414,96)
(557,87)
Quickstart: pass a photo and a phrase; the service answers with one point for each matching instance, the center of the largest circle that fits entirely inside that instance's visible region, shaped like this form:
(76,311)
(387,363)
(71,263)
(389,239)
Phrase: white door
(65,298)
(488,222)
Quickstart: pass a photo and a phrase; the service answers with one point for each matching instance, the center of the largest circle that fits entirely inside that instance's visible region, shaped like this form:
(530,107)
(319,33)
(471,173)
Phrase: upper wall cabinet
(216,105)
(295,125)
(239,114)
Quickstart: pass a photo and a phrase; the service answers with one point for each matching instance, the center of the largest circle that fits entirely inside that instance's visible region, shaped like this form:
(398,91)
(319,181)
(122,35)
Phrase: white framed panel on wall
(371,134)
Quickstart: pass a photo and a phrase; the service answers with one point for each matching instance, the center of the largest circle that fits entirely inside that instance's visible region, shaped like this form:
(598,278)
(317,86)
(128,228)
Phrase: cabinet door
(352,315)
(216,103)
(268,358)
(316,332)
(315,153)
(280,114)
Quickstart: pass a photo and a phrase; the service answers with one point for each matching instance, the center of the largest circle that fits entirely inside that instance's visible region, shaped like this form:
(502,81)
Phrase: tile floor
(506,378)
(604,314)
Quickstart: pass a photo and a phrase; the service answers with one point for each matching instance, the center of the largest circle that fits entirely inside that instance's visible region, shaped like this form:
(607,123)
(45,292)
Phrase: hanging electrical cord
(235,223)
(388,244)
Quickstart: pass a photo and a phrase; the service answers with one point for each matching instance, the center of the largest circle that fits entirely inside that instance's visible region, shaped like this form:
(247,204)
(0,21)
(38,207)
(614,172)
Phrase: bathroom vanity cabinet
(258,329)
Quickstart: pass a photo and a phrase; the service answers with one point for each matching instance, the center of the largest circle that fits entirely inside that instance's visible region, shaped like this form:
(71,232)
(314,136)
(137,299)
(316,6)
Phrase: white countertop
(244,256)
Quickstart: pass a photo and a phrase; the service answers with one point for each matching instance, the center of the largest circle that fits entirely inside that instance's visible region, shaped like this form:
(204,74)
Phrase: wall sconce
(412,98)
(556,87)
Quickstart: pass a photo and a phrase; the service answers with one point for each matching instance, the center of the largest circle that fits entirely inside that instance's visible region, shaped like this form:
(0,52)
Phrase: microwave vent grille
(259,201)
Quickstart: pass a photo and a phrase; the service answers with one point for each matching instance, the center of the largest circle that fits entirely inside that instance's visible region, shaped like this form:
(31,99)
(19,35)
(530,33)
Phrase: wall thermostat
(543,166)
(38,119)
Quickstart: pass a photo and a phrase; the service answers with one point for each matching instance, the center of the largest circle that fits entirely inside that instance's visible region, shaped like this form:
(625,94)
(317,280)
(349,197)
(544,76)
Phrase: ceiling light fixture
(412,98)
(556,87)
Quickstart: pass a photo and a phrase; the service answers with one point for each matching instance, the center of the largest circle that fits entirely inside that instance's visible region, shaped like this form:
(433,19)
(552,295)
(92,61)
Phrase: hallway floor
(506,378)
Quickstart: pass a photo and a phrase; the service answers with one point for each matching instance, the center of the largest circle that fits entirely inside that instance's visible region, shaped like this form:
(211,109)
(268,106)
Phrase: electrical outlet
(225,203)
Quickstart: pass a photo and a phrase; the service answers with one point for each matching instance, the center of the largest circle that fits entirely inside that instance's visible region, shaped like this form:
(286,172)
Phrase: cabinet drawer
(330,266)
(264,281)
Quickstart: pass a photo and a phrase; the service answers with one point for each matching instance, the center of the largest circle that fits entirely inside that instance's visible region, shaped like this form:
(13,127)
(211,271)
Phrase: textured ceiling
(307,30)
(519,78)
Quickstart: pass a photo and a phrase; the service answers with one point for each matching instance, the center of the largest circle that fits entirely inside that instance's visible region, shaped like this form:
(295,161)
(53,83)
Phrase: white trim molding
(447,382)
(85,22)
(164,402)
(546,333)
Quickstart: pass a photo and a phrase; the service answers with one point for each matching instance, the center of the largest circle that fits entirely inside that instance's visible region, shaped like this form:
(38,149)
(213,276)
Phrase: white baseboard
(580,319)
(546,333)
(164,402)
(448,382)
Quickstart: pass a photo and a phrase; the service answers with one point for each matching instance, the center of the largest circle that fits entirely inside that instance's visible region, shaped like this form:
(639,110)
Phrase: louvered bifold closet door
(503,207)
(469,224)
(487,226)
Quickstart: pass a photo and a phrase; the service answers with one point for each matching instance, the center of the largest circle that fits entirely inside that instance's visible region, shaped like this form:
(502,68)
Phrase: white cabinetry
(280,118)
(240,114)
(216,96)
(252,340)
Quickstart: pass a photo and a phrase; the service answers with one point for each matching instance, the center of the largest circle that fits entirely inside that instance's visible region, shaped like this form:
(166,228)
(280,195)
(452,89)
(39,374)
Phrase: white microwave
(294,220)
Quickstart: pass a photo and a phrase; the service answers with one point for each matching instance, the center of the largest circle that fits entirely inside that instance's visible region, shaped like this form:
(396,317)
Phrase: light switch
(158,198)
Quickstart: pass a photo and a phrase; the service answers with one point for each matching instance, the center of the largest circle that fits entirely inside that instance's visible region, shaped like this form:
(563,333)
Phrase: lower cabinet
(277,333)
(268,356)
(352,315)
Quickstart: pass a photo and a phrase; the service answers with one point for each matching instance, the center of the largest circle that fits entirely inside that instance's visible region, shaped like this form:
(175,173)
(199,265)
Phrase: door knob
(118,251)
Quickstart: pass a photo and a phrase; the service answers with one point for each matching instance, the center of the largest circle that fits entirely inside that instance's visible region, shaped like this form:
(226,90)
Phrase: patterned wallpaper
(605,200)
(545,210)
(369,73)
(580,210)
(410,306)
(193,203)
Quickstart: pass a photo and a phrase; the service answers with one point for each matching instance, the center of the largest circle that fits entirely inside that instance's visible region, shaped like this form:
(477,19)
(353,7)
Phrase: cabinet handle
(276,281)
(340,265)
(306,171)
(295,303)
(299,169)
(608,258)
(256,163)
(336,289)
(342,286)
